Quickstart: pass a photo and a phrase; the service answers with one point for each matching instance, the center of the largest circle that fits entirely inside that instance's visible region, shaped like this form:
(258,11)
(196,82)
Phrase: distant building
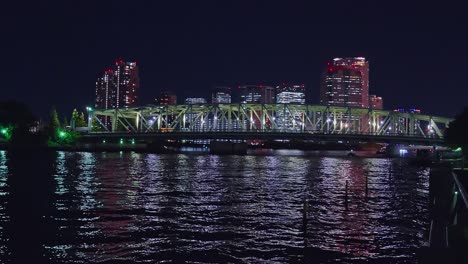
(195,100)
(290,94)
(345,82)
(256,94)
(376,102)
(118,86)
(221,95)
(167,98)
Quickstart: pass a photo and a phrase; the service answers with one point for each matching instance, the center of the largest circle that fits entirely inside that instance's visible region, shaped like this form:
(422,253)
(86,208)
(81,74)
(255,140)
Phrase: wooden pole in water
(346,195)
(367,183)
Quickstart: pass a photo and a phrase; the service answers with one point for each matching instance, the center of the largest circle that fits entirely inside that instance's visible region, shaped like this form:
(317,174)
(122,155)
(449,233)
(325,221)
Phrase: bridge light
(133,141)
(89,109)
(121,141)
(456,193)
(328,120)
(103,141)
(389,128)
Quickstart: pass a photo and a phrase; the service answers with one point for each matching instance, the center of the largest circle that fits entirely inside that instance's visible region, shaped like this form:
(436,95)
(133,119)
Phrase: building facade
(256,94)
(375,102)
(195,100)
(341,86)
(345,82)
(221,95)
(290,94)
(167,98)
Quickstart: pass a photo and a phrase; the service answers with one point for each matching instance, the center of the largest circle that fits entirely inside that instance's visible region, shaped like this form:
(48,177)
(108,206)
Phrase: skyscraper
(118,86)
(346,83)
(341,86)
(290,94)
(221,95)
(256,94)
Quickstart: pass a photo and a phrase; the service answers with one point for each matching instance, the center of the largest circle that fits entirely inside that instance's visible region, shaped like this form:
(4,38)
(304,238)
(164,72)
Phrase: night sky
(53,53)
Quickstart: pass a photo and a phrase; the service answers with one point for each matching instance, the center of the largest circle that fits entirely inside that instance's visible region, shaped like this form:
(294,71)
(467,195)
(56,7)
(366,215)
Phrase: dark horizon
(56,51)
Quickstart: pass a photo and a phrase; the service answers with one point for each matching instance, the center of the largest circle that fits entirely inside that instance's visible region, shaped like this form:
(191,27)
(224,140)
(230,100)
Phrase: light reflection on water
(132,207)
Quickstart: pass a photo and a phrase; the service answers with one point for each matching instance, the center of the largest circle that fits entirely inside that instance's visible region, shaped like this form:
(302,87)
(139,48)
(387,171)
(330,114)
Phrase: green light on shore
(103,141)
(133,141)
(458,150)
(62,134)
(4,131)
(121,141)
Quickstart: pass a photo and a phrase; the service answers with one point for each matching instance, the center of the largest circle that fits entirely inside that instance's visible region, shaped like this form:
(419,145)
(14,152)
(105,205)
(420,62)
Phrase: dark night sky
(53,53)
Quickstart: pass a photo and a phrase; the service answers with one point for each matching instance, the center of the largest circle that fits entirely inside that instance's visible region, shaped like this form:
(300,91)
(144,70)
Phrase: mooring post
(367,185)
(346,195)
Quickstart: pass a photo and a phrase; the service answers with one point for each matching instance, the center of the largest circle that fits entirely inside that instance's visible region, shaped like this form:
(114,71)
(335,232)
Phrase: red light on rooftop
(330,69)
(260,85)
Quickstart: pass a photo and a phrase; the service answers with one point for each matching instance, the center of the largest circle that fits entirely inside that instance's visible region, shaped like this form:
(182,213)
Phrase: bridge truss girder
(271,118)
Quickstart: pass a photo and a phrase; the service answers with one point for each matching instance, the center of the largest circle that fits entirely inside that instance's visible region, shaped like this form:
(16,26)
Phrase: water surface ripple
(70,207)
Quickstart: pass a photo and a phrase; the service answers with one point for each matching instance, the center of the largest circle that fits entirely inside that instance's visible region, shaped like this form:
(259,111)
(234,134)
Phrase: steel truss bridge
(266,121)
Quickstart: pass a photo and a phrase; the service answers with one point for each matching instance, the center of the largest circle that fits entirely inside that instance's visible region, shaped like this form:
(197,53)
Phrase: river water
(78,207)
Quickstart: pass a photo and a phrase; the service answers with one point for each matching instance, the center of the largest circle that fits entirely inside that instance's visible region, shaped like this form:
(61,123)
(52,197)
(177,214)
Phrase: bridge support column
(114,121)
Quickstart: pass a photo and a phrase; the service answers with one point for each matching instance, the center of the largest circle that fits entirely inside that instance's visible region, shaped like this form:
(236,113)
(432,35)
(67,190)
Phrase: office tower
(256,94)
(341,86)
(375,102)
(346,83)
(290,94)
(221,95)
(167,98)
(118,86)
(195,100)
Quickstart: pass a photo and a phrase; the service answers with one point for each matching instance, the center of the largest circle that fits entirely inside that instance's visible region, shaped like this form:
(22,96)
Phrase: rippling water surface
(66,207)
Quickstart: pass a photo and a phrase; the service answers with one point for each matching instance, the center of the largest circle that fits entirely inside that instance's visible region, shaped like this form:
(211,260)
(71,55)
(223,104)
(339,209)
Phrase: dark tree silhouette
(457,133)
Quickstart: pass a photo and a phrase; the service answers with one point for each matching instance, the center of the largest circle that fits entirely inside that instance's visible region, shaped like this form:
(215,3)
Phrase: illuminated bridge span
(267,121)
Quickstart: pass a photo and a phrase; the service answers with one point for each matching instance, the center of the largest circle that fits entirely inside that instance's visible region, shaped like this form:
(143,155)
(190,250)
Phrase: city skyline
(417,59)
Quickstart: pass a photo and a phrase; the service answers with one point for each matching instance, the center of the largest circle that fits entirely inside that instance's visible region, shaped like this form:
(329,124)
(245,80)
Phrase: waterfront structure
(167,98)
(221,95)
(256,94)
(375,102)
(195,100)
(345,82)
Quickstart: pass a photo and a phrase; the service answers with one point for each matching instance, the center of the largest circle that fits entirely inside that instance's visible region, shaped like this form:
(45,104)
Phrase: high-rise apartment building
(346,83)
(221,95)
(118,86)
(256,94)
(290,94)
(375,102)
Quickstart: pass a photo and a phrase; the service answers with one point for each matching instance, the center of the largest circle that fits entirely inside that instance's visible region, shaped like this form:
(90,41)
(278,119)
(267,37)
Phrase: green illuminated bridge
(265,121)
